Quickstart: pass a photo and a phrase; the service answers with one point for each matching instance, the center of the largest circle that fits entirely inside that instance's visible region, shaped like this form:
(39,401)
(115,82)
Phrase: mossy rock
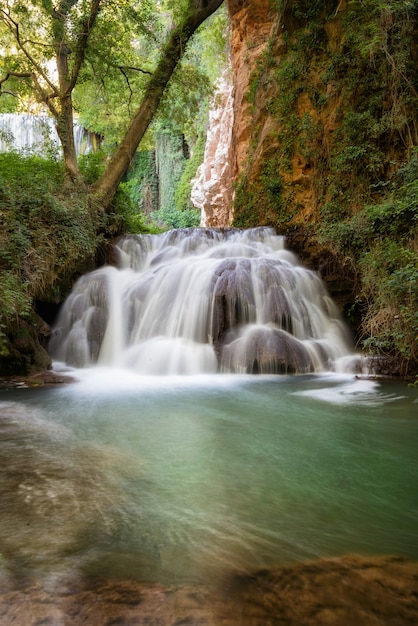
(22,353)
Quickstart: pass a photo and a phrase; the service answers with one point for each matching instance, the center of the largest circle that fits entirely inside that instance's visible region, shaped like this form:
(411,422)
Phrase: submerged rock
(266,351)
(53,492)
(344,591)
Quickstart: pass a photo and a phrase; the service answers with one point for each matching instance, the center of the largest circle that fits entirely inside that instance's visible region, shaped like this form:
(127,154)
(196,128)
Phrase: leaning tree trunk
(106,186)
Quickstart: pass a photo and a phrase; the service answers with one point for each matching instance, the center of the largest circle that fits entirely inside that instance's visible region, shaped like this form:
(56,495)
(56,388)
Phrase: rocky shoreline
(45,378)
(365,591)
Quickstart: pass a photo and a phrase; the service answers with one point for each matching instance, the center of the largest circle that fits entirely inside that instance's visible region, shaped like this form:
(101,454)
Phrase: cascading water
(194,301)
(31,133)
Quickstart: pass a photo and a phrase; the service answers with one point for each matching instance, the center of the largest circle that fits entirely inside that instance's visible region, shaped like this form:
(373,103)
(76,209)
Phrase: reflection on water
(175,480)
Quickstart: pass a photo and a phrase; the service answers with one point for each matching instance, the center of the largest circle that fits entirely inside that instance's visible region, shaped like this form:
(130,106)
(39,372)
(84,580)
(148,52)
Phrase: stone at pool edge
(45,378)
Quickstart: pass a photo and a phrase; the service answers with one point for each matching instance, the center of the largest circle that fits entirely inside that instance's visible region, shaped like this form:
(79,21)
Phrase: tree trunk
(106,186)
(67,77)
(64,114)
(65,131)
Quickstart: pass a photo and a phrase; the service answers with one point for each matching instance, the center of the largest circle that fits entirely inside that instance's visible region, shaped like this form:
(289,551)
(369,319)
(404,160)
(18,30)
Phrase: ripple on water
(56,494)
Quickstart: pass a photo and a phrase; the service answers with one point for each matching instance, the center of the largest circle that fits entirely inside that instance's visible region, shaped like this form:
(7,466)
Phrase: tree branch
(131,93)
(38,43)
(13,26)
(123,69)
(81,46)
(8,93)
(46,97)
(10,73)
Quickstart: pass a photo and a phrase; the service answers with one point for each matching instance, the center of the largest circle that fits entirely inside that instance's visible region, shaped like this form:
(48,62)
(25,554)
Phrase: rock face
(244,134)
(230,116)
(212,188)
(23,352)
(321,128)
(252,26)
(244,144)
(308,142)
(275,117)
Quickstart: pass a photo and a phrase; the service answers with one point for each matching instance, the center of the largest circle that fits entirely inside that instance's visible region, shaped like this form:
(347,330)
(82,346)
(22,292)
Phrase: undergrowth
(50,233)
(382,241)
(47,229)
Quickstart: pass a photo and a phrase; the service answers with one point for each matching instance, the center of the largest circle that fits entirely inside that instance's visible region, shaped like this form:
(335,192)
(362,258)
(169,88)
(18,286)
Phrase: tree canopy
(108,61)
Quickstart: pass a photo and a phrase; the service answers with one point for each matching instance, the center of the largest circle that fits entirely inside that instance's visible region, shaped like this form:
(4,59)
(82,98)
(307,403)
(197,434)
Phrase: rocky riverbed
(341,592)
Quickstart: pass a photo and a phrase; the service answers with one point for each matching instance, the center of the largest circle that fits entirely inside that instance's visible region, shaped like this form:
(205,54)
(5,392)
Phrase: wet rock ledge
(45,378)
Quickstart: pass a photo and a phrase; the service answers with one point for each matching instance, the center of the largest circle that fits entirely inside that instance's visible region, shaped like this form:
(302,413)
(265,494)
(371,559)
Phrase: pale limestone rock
(212,188)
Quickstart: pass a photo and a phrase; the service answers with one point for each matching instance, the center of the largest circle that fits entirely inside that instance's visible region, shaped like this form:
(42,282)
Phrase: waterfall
(34,133)
(202,300)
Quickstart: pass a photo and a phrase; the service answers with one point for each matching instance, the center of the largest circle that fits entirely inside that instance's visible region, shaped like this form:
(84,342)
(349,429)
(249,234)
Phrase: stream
(179,479)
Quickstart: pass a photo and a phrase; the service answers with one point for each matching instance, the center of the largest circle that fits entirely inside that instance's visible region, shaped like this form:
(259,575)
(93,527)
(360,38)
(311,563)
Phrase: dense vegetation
(340,85)
(50,233)
(56,52)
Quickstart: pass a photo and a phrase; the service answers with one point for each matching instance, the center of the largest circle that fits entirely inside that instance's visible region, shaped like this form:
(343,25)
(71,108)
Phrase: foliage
(120,60)
(171,152)
(103,60)
(124,216)
(184,105)
(47,232)
(15,300)
(112,61)
(50,233)
(168,218)
(260,201)
(158,182)
(29,31)
(183,188)
(382,240)
(142,183)
(122,52)
(92,165)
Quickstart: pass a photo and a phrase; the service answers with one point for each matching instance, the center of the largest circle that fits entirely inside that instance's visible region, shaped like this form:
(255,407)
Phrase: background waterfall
(34,133)
(196,301)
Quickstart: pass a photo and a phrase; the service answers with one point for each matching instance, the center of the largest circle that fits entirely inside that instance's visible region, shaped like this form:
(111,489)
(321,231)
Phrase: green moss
(183,190)
(381,241)
(260,202)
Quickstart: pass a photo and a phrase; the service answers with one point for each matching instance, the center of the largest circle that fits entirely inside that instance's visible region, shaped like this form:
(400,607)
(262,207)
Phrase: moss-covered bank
(331,159)
(51,232)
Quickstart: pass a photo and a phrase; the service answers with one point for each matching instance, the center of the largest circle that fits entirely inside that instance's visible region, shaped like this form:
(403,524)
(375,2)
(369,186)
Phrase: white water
(32,133)
(201,301)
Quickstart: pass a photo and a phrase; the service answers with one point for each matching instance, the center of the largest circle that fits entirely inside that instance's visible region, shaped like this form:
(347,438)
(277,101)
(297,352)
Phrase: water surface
(177,479)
